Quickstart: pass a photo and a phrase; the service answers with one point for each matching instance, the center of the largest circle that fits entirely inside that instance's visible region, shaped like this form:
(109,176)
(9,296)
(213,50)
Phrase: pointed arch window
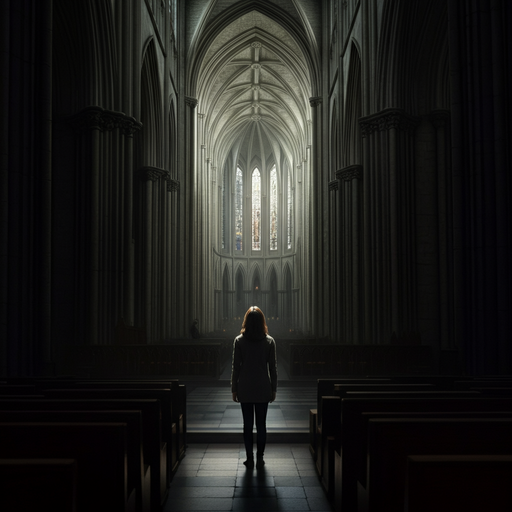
(290,212)
(239,220)
(273,209)
(256,210)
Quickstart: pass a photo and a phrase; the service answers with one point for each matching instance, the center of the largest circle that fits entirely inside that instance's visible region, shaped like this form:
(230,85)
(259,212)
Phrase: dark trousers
(248,412)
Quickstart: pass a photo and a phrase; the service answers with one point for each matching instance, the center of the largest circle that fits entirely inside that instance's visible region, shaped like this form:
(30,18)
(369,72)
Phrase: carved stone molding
(191,102)
(315,101)
(439,118)
(256,44)
(333,185)
(388,119)
(256,118)
(98,118)
(149,173)
(172,185)
(349,173)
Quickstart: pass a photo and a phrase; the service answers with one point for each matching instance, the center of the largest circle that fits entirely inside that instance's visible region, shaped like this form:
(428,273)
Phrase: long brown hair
(254,324)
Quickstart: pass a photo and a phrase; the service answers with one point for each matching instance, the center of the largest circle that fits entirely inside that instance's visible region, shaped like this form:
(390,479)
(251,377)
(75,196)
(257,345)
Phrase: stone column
(390,284)
(129,127)
(316,304)
(335,327)
(350,254)
(441,122)
(149,175)
(173,186)
(188,187)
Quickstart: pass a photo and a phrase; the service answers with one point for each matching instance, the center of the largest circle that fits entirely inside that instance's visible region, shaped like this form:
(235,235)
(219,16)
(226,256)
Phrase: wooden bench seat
(350,456)
(178,398)
(445,483)
(329,421)
(100,450)
(391,441)
(38,484)
(163,395)
(154,448)
(139,472)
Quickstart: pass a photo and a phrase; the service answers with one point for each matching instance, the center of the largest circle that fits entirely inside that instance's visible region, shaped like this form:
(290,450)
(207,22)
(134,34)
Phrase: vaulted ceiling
(253,89)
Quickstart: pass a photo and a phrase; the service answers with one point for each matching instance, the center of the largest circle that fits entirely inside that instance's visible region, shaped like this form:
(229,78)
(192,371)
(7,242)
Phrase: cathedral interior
(345,165)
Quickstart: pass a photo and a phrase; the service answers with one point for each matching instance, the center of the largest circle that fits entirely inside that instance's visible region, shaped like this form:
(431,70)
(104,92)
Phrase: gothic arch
(408,59)
(84,56)
(353,110)
(151,108)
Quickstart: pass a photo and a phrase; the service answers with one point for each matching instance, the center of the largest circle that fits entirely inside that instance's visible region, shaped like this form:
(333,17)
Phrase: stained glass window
(273,209)
(239,201)
(256,210)
(290,211)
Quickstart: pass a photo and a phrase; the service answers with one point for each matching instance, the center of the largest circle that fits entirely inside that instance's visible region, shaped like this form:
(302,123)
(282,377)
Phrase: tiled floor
(212,477)
(210,408)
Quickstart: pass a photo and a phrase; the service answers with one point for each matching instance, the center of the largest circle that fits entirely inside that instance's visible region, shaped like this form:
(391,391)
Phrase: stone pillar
(188,188)
(350,254)
(173,187)
(317,300)
(129,127)
(150,176)
(441,122)
(390,283)
(481,134)
(335,326)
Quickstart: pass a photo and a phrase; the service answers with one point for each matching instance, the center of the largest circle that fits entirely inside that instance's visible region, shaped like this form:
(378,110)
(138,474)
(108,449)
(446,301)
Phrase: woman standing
(254,379)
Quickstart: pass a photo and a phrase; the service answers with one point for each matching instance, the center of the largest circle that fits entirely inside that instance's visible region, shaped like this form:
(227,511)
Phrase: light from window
(273,209)
(256,210)
(238,209)
(290,211)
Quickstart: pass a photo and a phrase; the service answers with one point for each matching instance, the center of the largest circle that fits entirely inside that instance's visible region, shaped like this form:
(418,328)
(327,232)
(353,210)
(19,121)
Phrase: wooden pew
(445,483)
(162,394)
(154,448)
(100,451)
(328,436)
(391,441)
(350,456)
(178,399)
(139,472)
(38,484)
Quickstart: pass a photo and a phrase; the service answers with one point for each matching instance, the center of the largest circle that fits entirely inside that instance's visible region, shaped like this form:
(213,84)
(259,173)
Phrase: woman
(254,379)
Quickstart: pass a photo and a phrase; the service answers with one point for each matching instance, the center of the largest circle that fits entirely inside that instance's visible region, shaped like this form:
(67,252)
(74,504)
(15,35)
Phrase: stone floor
(210,408)
(212,477)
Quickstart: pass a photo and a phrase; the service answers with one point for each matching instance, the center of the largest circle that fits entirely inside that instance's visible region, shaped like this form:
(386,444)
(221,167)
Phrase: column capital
(334,185)
(172,185)
(315,101)
(349,173)
(387,119)
(191,102)
(149,173)
(98,118)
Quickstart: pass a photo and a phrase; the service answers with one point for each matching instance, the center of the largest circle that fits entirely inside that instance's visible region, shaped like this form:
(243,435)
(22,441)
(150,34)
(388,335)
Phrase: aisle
(212,477)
